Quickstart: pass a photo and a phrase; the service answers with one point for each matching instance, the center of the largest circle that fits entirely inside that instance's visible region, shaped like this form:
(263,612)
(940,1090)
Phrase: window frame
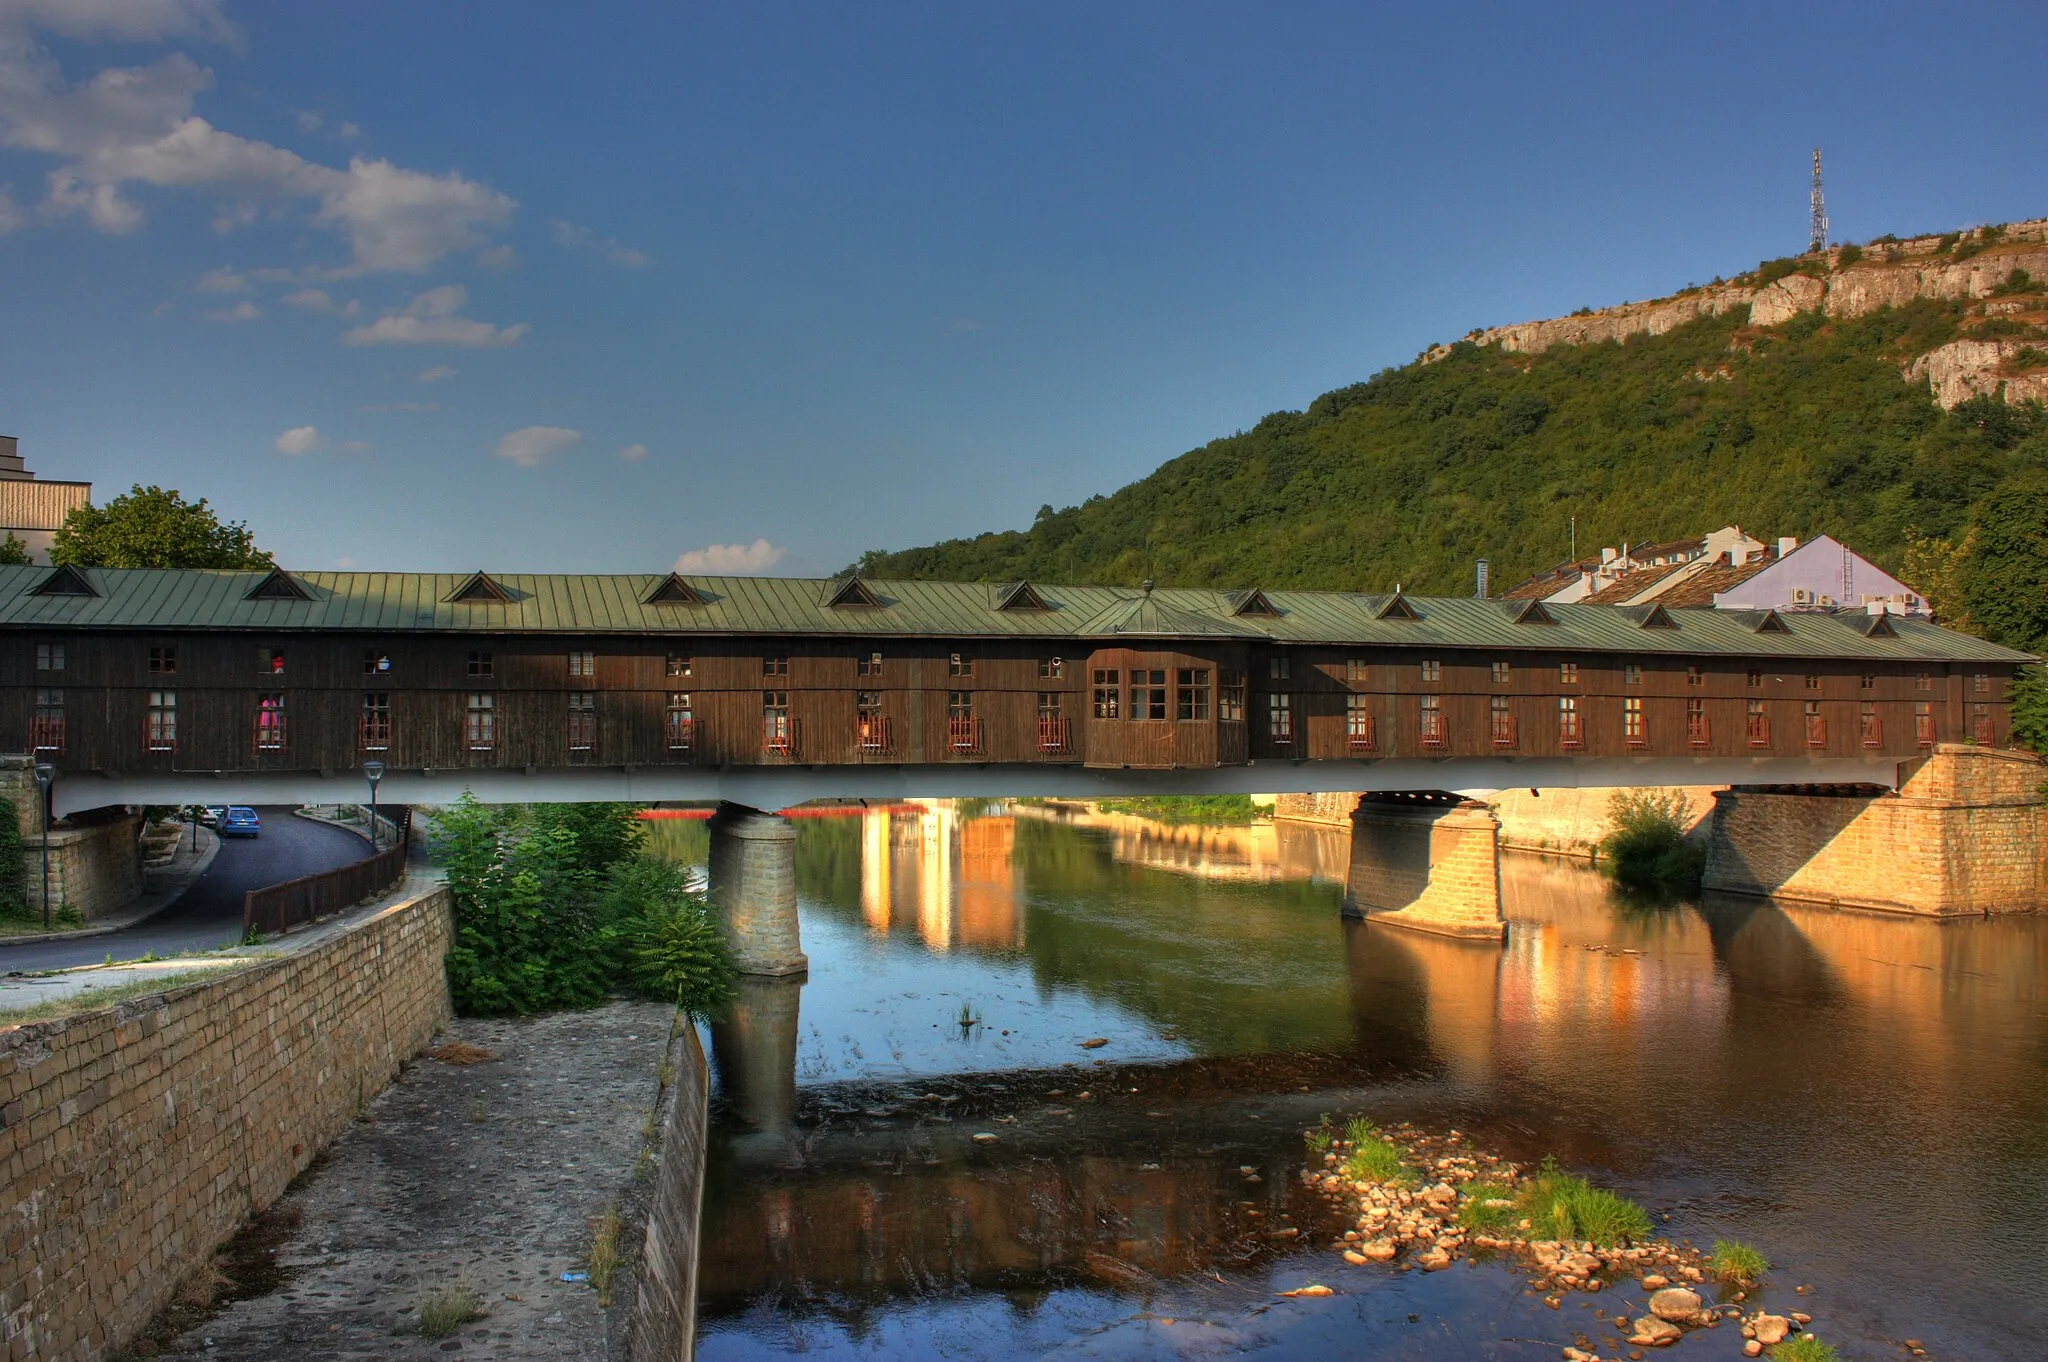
(483,664)
(1107,685)
(678,721)
(1148,696)
(50,657)
(163,659)
(480,720)
(1191,695)
(1280,718)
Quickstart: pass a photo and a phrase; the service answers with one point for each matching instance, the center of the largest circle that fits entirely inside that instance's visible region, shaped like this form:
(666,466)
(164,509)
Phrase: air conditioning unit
(1801,596)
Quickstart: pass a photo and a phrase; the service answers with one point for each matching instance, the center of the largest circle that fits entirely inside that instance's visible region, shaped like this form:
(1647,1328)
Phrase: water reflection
(1846,1091)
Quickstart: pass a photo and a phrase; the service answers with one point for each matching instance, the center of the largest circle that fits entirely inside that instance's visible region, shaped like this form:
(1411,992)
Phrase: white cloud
(244,311)
(316,300)
(633,453)
(758,556)
(10,212)
(569,235)
(310,120)
(429,319)
(530,446)
(136,126)
(497,258)
(354,446)
(348,130)
(437,374)
(223,280)
(403,406)
(298,440)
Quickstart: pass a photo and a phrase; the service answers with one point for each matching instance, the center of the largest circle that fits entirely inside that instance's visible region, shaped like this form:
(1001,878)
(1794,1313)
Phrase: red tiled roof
(1721,577)
(1544,583)
(1629,585)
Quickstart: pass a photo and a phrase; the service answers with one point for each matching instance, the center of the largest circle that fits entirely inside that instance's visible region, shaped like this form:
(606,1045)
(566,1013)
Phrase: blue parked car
(240,821)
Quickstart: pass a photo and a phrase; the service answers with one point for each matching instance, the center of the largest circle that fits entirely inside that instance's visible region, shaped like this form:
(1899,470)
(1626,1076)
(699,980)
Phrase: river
(914,1155)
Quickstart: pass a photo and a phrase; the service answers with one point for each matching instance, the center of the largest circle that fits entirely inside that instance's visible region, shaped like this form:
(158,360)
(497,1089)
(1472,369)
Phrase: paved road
(208,914)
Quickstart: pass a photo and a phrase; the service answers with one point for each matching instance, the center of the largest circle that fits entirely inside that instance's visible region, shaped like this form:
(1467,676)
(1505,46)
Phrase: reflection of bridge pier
(753,887)
(754,1048)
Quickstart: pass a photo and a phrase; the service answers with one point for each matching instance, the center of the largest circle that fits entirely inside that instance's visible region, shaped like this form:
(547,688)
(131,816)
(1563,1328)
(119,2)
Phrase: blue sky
(598,287)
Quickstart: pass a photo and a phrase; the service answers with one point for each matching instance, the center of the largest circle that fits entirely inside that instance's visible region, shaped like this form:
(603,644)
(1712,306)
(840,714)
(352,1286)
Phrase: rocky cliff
(2006,313)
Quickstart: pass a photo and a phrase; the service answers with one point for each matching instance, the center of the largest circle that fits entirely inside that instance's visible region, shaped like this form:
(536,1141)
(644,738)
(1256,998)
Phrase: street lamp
(375,771)
(46,775)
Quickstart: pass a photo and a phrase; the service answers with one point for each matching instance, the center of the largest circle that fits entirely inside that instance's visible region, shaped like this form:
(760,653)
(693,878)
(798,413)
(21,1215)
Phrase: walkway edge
(166,893)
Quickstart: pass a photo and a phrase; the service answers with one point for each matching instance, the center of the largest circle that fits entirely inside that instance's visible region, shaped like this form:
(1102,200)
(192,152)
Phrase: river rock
(1653,1332)
(1752,1349)
(1377,1250)
(1434,1260)
(1675,1303)
(1585,1264)
(1655,1281)
(1771,1329)
(1355,1258)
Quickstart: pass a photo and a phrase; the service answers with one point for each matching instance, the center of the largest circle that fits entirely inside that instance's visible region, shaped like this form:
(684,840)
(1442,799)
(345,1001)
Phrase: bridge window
(1813,681)
(868,703)
(1432,671)
(1107,693)
(482,726)
(679,664)
(1502,722)
(1923,681)
(1923,723)
(1503,672)
(1048,704)
(270,661)
(1980,684)
(1433,721)
(160,722)
(959,664)
(1631,673)
(376,721)
(481,664)
(1816,725)
(583,663)
(1280,719)
(1980,725)
(775,664)
(1759,721)
(376,662)
(1052,668)
(1869,726)
(868,664)
(1355,669)
(582,720)
(778,734)
(1358,725)
(1148,693)
(1230,698)
(46,730)
(49,657)
(1568,673)
(1695,675)
(1568,733)
(871,726)
(1697,731)
(1052,723)
(963,730)
(1191,693)
(1633,726)
(1756,678)
(1280,667)
(1869,681)
(163,660)
(679,723)
(270,723)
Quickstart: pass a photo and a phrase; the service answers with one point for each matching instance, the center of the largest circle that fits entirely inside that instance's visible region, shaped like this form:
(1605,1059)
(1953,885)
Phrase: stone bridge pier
(1428,863)
(753,890)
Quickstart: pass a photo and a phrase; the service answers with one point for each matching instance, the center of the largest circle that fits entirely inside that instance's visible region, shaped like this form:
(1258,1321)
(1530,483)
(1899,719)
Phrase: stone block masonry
(753,888)
(136,1138)
(1429,867)
(95,868)
(1963,835)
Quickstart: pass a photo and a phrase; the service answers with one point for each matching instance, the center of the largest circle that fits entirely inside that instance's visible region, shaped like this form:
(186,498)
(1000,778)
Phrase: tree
(13,553)
(150,527)
(2007,586)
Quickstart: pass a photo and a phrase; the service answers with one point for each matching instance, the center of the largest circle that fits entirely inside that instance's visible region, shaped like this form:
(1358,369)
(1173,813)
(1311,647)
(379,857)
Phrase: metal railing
(46,733)
(1699,731)
(873,733)
(1361,733)
(1503,729)
(1434,731)
(1052,733)
(281,907)
(963,735)
(1759,730)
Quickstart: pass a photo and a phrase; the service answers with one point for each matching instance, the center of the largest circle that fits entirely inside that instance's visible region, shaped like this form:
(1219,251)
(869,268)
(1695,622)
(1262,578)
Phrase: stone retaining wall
(95,869)
(1433,868)
(664,1322)
(1334,809)
(1963,835)
(1573,822)
(136,1138)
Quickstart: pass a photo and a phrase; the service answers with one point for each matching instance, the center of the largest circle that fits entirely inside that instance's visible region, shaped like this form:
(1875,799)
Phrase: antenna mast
(1819,241)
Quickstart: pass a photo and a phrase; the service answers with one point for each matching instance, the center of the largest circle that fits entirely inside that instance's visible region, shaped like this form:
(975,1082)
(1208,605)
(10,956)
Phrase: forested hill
(1803,427)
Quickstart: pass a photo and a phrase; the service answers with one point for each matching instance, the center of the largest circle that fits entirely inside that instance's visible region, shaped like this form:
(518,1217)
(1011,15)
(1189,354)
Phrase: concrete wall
(1964,834)
(136,1138)
(1434,868)
(664,1322)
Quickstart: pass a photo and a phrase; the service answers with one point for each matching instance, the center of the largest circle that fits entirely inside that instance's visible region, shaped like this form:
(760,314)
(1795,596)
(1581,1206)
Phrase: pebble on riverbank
(1421,1226)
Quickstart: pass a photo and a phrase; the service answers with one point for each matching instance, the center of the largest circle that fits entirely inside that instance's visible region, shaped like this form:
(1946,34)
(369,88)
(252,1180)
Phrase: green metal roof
(406,602)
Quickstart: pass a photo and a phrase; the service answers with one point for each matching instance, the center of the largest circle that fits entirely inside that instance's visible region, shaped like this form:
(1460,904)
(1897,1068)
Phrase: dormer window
(270,661)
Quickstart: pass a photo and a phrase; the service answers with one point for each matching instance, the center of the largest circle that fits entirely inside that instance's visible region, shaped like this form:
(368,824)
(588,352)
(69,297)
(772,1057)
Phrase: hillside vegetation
(1801,428)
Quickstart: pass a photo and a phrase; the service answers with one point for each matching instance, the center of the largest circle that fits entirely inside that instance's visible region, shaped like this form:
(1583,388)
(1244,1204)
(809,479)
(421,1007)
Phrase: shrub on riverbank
(557,906)
(1647,850)
(1227,808)
(1373,1158)
(1804,1348)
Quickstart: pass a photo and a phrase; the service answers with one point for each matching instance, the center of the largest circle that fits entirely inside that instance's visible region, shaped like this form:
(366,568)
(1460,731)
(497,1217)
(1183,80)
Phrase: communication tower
(1819,241)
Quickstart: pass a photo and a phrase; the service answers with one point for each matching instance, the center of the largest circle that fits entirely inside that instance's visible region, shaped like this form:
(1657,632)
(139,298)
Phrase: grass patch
(1804,1348)
(1372,1157)
(461,1053)
(604,1254)
(1734,1261)
(1321,1138)
(1561,1205)
(444,1311)
(1488,1206)
(93,999)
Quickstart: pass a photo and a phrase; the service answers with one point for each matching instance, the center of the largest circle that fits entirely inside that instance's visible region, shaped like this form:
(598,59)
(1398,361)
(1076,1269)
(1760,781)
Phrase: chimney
(1481,591)
(1607,556)
(1787,543)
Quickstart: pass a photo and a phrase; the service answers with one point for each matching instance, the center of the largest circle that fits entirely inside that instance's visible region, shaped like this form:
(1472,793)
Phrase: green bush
(1848,256)
(1227,808)
(676,949)
(1648,850)
(1373,1158)
(1488,1206)
(1804,1348)
(13,894)
(1734,1261)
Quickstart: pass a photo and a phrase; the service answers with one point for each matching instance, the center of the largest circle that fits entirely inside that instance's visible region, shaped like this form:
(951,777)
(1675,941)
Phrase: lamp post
(375,771)
(46,775)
